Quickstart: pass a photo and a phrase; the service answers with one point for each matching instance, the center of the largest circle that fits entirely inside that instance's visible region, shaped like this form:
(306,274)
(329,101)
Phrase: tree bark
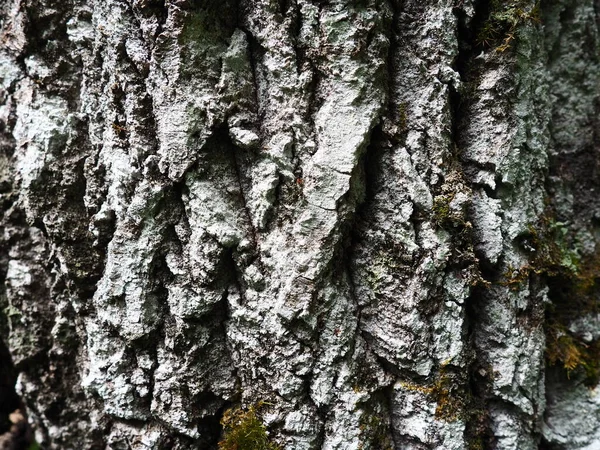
(373,222)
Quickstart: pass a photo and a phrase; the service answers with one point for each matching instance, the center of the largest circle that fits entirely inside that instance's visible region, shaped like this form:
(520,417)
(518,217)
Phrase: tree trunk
(363,224)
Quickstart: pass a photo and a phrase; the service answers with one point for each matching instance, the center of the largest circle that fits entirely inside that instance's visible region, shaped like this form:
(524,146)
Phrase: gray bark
(377,218)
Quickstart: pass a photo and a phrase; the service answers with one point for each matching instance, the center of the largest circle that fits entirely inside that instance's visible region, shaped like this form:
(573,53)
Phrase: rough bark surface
(378,220)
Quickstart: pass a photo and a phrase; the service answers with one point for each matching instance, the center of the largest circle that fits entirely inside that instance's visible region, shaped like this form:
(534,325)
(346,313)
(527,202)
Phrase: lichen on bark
(344,211)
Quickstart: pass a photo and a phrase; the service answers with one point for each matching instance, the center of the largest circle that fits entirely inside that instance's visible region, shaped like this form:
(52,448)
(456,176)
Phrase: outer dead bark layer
(377,219)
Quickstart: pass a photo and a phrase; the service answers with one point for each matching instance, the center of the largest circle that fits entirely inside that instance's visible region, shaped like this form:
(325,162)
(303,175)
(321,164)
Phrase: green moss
(374,433)
(444,216)
(448,209)
(451,400)
(450,393)
(551,254)
(402,117)
(243,430)
(574,292)
(505,17)
(455,401)
(574,355)
(447,394)
(441,209)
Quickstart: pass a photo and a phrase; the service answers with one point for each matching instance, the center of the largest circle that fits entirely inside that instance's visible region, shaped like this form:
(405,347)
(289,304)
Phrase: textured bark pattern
(314,204)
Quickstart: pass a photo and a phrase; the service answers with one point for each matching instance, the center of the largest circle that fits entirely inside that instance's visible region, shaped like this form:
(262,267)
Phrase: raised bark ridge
(366,217)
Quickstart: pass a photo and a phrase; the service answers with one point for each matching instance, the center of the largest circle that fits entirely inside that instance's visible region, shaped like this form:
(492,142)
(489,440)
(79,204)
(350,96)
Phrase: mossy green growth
(403,117)
(574,294)
(441,209)
(551,254)
(574,291)
(243,430)
(444,216)
(450,393)
(456,401)
(504,19)
(574,355)
(374,433)
(448,208)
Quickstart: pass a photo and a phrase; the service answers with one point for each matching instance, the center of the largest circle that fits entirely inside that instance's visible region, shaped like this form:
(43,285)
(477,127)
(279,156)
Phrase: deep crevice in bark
(10,400)
(477,433)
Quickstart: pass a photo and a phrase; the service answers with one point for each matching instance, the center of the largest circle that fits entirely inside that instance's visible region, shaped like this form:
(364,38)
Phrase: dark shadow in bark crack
(15,432)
